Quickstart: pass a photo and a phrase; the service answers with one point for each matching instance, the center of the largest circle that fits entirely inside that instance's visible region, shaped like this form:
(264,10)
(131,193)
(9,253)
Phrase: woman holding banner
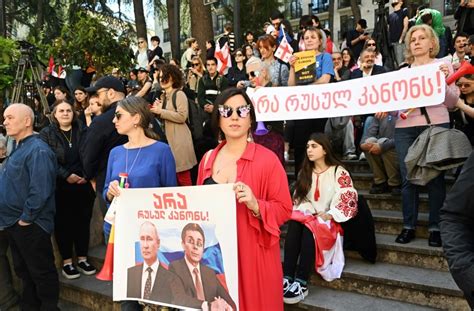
(143,162)
(422,47)
(297,132)
(263,199)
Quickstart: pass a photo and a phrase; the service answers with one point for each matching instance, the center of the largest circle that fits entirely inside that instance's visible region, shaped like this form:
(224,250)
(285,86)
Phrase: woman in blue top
(147,162)
(297,132)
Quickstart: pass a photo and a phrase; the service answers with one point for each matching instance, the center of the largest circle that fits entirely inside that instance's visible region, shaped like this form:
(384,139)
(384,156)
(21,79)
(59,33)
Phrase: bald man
(27,184)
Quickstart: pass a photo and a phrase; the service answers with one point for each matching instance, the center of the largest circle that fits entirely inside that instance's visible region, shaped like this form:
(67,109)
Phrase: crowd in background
(154,124)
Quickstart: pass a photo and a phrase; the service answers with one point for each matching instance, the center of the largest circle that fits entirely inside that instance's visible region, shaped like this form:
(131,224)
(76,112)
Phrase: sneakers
(70,272)
(86,268)
(295,293)
(379,189)
(350,156)
(286,285)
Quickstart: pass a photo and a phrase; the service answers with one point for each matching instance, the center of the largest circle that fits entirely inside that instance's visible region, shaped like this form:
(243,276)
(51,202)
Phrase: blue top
(153,167)
(324,65)
(27,185)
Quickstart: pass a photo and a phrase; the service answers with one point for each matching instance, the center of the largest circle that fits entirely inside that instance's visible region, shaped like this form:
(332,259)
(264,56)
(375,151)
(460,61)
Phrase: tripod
(380,35)
(23,92)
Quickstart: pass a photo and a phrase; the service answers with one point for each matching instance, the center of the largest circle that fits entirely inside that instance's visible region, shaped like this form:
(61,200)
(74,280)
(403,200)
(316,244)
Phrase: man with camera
(357,37)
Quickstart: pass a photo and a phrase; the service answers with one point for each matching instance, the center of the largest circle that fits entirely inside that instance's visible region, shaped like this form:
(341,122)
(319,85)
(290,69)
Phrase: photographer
(195,73)
(356,38)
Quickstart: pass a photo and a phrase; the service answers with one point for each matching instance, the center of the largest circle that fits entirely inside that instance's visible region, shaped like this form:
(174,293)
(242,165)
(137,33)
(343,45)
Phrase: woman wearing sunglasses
(195,73)
(263,199)
(173,111)
(464,116)
(237,72)
(144,161)
(370,44)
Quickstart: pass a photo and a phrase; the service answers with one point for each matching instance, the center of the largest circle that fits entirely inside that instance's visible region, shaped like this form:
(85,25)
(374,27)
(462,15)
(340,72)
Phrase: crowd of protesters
(183,122)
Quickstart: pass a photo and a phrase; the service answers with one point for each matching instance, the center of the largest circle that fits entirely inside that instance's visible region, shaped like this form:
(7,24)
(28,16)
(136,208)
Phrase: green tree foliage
(105,39)
(8,55)
(253,13)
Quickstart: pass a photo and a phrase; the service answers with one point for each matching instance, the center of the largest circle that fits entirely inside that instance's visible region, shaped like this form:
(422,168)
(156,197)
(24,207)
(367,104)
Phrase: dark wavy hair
(170,71)
(352,62)
(303,183)
(221,100)
(137,105)
(77,104)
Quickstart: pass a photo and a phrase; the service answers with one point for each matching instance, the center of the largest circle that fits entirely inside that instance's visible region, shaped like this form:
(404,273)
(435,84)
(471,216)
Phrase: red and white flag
(224,62)
(284,50)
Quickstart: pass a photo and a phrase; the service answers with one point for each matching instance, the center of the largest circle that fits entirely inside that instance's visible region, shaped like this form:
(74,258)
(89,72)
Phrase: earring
(249,136)
(135,125)
(431,50)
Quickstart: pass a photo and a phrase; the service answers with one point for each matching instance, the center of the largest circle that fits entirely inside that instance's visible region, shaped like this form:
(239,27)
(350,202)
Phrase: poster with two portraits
(177,247)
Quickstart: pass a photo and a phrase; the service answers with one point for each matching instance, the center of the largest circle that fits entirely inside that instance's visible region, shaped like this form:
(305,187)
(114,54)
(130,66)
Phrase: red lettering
(427,84)
(401,87)
(292,103)
(415,89)
(385,92)
(364,100)
(306,102)
(327,100)
(182,204)
(374,96)
(345,95)
(168,201)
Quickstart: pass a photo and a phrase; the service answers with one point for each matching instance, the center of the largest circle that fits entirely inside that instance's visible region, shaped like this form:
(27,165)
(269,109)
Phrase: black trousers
(74,205)
(8,296)
(299,243)
(33,261)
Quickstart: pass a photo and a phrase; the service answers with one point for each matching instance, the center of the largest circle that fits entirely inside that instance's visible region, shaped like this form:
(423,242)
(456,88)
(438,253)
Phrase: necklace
(316,191)
(127,171)
(69,140)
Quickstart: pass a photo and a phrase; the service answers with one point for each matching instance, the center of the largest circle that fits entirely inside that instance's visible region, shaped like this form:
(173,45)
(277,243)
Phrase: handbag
(436,149)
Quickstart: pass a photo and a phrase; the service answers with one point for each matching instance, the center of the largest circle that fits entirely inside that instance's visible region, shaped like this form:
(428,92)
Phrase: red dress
(260,270)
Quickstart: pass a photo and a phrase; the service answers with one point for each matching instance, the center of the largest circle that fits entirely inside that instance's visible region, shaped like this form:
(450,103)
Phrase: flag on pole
(284,50)
(223,58)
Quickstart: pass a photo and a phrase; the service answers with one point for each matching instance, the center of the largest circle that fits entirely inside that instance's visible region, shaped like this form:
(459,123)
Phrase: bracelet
(257,214)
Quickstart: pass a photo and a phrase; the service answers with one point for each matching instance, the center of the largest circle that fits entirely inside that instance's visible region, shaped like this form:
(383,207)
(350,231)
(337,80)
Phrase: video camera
(26,47)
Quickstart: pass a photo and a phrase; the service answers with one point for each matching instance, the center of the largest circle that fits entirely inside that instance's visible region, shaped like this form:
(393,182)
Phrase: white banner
(172,231)
(398,90)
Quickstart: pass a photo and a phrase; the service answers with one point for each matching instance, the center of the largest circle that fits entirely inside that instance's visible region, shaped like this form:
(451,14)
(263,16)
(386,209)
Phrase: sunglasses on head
(226,111)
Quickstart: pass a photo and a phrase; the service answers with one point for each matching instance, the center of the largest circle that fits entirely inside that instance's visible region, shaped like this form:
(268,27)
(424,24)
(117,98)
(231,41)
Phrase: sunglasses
(461,85)
(162,79)
(370,44)
(254,74)
(118,115)
(242,111)
(140,42)
(195,65)
(239,54)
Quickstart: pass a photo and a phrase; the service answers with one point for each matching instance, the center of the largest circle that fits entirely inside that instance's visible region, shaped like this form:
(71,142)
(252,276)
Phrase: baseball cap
(108,82)
(142,69)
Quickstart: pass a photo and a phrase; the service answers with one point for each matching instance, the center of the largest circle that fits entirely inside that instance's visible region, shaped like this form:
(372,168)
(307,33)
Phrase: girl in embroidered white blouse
(324,197)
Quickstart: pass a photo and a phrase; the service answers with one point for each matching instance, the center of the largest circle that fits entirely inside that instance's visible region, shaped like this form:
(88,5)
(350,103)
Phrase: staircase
(413,276)
(410,276)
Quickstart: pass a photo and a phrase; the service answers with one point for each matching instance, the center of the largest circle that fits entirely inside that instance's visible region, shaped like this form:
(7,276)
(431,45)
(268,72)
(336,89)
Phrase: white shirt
(154,267)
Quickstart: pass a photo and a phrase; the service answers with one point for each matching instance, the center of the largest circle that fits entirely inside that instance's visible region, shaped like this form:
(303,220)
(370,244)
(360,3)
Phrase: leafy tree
(105,39)
(8,55)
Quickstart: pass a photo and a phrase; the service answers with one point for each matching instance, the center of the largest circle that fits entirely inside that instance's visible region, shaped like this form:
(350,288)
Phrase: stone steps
(421,286)
(391,222)
(322,298)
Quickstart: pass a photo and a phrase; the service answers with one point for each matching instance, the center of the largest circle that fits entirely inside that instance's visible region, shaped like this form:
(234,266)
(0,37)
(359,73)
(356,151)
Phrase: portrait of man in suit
(196,285)
(149,280)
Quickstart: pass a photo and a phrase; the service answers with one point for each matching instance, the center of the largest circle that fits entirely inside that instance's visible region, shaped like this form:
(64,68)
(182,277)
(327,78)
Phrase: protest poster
(305,67)
(172,231)
(399,90)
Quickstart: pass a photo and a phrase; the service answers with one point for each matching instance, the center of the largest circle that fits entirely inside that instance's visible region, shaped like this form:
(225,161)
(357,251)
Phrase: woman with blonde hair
(141,55)
(422,46)
(195,73)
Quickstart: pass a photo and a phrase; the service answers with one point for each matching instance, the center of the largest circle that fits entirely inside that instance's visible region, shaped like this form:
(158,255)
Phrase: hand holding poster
(399,90)
(175,247)
(305,67)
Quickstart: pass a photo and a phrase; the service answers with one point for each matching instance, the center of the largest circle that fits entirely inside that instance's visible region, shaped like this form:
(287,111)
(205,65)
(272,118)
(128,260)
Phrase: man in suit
(196,285)
(149,280)
(367,65)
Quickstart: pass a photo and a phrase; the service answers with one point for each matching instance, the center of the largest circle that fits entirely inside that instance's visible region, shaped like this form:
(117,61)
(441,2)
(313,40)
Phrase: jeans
(33,261)
(404,137)
(399,49)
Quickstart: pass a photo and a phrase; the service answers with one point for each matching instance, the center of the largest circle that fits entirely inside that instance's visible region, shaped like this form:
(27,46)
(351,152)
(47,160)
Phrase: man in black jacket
(102,136)
(457,230)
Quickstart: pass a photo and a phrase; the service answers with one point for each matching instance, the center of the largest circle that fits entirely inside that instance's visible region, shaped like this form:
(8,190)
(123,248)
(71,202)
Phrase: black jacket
(100,138)
(53,137)
(457,230)
(375,71)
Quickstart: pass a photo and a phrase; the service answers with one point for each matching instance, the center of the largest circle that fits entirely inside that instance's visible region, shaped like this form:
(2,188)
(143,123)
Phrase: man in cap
(101,135)
(356,38)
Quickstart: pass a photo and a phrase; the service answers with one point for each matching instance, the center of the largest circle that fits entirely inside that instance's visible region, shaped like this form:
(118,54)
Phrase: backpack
(196,116)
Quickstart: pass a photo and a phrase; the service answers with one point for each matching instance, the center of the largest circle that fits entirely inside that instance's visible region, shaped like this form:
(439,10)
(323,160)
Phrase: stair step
(69,306)
(321,298)
(88,292)
(387,201)
(415,254)
(391,222)
(410,284)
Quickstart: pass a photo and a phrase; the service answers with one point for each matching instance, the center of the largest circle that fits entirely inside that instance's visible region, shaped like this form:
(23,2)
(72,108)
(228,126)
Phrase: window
(346,3)
(347,24)
(450,6)
(166,35)
(319,6)
(295,9)
(219,25)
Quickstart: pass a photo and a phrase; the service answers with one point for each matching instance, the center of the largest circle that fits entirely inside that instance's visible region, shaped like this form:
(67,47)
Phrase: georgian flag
(224,62)
(284,50)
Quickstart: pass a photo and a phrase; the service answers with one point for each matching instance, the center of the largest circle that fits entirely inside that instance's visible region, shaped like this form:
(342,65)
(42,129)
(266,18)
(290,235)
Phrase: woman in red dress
(262,194)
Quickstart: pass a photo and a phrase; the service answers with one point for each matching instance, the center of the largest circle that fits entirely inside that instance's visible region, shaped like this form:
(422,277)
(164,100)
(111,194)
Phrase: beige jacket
(177,131)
